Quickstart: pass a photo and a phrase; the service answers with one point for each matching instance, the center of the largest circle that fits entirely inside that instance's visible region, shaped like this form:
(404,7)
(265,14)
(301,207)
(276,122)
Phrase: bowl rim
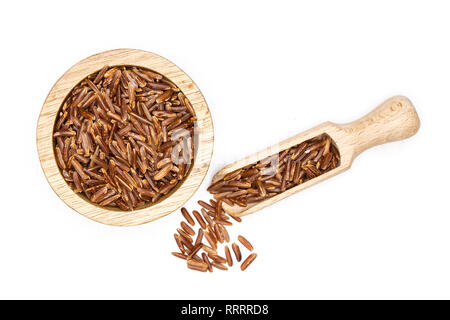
(54,100)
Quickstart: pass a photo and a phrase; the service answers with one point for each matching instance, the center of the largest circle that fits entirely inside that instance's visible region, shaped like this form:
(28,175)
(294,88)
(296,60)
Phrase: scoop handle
(395,119)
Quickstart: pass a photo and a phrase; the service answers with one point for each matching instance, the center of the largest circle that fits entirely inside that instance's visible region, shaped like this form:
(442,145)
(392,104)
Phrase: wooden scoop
(395,119)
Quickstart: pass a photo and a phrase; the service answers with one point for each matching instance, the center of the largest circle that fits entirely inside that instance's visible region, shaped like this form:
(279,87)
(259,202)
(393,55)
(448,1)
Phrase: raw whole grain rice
(127,131)
(197,265)
(206,206)
(250,184)
(245,243)
(248,261)
(277,173)
(187,216)
(194,250)
(199,218)
(208,249)
(219,266)
(218,258)
(213,228)
(207,217)
(198,240)
(237,251)
(187,229)
(206,260)
(210,240)
(228,256)
(225,233)
(179,255)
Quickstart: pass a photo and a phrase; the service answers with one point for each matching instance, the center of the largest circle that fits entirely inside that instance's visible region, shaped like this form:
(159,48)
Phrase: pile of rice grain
(124,137)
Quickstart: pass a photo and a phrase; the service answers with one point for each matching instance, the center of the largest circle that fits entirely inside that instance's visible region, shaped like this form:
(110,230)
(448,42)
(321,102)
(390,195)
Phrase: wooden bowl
(204,139)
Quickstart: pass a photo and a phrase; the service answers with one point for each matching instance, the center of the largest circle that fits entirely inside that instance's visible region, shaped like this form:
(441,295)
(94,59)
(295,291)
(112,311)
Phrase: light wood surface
(73,76)
(395,119)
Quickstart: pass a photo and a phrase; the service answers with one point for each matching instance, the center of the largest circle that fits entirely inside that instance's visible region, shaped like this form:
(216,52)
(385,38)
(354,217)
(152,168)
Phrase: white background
(268,70)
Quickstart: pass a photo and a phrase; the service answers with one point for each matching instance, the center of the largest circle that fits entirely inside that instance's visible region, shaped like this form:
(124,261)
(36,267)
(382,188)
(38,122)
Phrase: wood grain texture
(204,129)
(395,119)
